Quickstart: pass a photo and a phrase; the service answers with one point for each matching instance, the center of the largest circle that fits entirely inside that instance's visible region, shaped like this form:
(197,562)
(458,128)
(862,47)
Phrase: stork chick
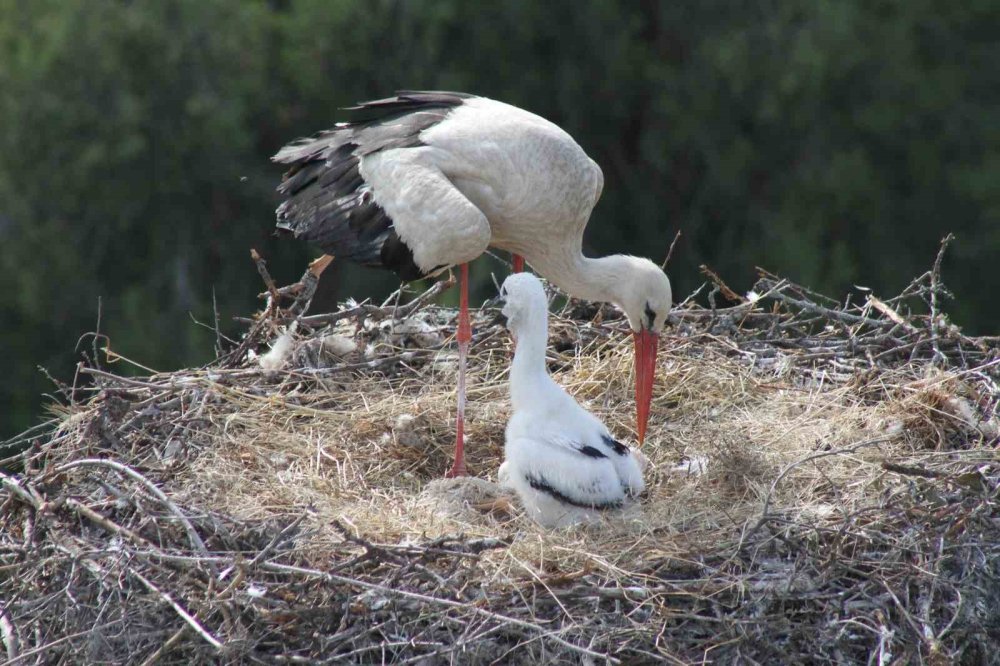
(561,460)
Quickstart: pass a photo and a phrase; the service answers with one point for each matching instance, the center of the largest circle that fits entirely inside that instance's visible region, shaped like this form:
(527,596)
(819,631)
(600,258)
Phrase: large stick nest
(823,489)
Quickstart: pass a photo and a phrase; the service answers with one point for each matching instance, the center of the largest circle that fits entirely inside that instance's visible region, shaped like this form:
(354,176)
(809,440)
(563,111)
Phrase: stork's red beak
(645,369)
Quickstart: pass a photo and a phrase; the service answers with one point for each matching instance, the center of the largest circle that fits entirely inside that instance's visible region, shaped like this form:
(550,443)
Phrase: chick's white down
(560,459)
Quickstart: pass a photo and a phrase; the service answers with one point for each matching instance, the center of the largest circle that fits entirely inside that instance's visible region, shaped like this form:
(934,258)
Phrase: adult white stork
(427,180)
(559,458)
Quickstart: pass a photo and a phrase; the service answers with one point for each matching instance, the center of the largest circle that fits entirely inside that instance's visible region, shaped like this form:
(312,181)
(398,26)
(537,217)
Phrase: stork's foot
(457,470)
(458,467)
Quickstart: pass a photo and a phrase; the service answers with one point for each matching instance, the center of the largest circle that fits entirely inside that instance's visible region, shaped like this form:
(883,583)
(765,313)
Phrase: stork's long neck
(528,374)
(579,276)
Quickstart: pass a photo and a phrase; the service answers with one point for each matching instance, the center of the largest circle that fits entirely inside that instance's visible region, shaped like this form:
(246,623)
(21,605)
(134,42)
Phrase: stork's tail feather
(405,102)
(327,200)
(366,117)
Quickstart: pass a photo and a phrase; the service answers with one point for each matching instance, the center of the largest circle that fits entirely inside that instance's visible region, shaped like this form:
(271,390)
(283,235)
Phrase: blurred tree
(125,134)
(836,142)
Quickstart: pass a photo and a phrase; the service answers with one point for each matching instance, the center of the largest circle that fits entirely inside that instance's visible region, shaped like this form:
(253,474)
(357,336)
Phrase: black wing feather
(541,484)
(327,201)
(616,446)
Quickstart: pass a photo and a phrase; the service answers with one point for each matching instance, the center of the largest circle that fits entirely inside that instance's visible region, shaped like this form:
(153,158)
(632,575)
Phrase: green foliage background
(835,142)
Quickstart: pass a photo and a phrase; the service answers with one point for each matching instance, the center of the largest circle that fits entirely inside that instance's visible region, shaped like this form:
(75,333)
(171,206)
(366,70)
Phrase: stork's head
(642,291)
(524,302)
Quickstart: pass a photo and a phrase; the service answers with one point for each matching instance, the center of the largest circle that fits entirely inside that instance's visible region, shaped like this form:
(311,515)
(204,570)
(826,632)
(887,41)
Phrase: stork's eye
(650,316)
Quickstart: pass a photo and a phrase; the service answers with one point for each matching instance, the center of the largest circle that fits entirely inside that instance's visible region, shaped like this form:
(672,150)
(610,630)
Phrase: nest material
(822,489)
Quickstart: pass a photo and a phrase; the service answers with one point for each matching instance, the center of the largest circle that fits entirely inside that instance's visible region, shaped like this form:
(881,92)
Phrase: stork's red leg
(518,262)
(464,336)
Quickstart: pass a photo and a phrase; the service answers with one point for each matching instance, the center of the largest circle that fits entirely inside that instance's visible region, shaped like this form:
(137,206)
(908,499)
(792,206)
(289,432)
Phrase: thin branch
(935,287)
(186,616)
(272,288)
(128,381)
(369,310)
(828,313)
(196,541)
(670,252)
(10,637)
(166,647)
(106,523)
(911,470)
(309,282)
(23,492)
(720,283)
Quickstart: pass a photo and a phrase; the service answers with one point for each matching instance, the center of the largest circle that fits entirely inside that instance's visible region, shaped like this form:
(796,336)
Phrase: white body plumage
(488,174)
(559,458)
(452,175)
